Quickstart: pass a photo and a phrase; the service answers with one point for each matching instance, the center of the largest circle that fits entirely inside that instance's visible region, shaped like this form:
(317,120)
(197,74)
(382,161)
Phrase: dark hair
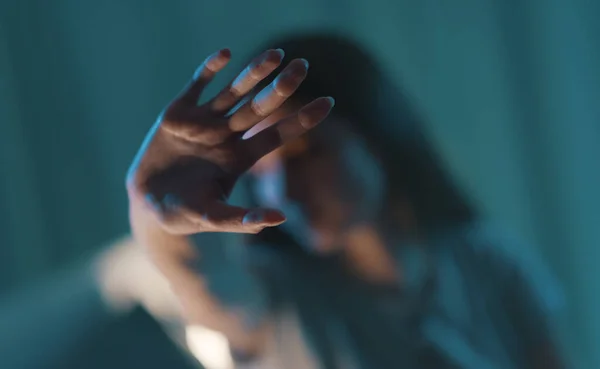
(385,117)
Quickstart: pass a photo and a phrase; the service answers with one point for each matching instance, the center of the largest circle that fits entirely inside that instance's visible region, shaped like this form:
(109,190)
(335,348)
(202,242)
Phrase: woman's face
(326,183)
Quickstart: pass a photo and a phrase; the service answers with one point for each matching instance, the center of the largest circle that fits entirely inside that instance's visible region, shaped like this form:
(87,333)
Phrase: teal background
(511,89)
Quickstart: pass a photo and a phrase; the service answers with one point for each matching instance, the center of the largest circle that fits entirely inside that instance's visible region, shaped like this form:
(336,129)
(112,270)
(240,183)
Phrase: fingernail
(305,63)
(280,52)
(254,216)
(258,216)
(276,217)
(225,52)
(331,100)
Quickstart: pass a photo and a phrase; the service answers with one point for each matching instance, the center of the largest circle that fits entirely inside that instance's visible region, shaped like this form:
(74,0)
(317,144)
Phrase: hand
(193,156)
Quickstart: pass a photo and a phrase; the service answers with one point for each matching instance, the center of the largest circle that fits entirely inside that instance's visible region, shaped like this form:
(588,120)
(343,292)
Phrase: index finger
(203,75)
(260,68)
(287,129)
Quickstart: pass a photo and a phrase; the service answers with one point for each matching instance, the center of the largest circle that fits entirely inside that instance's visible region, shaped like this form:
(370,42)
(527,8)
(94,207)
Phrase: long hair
(384,116)
(387,120)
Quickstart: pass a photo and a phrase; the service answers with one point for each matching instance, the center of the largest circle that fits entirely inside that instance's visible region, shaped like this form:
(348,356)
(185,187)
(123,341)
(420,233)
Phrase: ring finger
(256,71)
(271,97)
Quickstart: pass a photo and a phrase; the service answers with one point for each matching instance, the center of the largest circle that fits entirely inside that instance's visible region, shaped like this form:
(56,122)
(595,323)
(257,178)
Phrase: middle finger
(271,97)
(256,71)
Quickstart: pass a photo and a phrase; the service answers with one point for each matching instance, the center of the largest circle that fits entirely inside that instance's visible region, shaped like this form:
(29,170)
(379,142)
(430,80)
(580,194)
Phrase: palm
(193,156)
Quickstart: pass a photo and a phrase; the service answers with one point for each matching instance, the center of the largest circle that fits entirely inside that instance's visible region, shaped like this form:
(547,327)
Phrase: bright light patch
(209,347)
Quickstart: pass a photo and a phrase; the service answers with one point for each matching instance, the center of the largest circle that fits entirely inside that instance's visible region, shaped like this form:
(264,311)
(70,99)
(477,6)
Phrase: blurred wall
(511,89)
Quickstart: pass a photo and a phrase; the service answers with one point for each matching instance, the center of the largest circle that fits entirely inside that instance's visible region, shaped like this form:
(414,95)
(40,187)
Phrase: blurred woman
(369,255)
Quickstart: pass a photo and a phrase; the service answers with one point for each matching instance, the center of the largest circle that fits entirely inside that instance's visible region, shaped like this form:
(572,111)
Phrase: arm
(182,176)
(175,257)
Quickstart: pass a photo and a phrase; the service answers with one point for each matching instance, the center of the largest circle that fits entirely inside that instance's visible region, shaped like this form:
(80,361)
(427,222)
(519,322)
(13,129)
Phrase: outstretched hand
(193,155)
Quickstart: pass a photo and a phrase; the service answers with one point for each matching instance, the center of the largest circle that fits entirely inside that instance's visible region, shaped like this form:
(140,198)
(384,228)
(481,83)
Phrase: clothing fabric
(472,298)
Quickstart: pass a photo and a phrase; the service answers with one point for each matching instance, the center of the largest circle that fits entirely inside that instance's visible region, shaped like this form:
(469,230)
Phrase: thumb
(226,218)
(263,217)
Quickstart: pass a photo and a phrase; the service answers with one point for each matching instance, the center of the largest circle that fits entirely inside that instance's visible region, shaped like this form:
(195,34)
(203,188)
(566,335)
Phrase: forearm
(175,257)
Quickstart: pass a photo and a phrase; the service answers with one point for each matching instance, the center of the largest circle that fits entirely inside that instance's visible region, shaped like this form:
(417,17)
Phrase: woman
(381,263)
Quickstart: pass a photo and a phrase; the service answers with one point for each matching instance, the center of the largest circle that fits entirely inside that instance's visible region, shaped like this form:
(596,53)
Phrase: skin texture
(180,180)
(194,155)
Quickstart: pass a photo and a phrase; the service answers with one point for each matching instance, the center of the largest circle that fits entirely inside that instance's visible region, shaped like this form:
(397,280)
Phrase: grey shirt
(476,299)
